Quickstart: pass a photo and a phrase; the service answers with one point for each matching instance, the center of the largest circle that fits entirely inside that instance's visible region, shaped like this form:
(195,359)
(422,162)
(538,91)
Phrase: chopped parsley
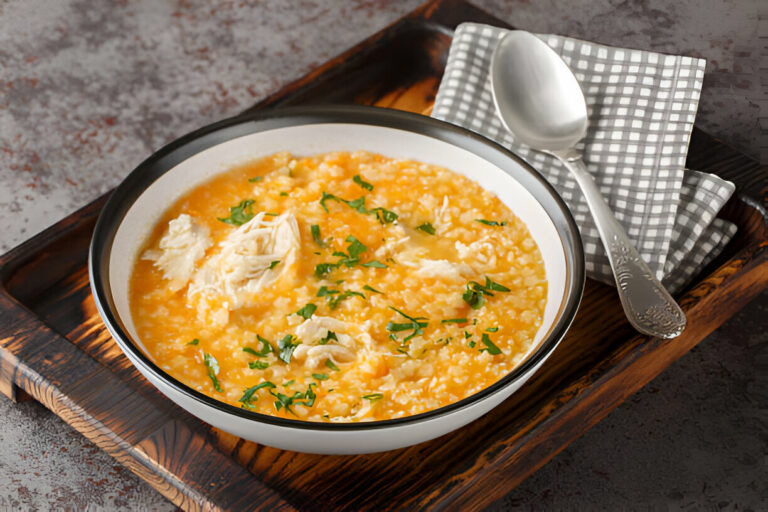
(286,348)
(285,401)
(331,336)
(248,393)
(472,344)
(335,297)
(415,324)
(283,193)
(371,289)
(239,214)
(334,301)
(330,364)
(288,383)
(355,248)
(258,365)
(266,348)
(495,286)
(316,236)
(213,370)
(320,376)
(454,321)
(427,228)
(492,329)
(255,179)
(350,258)
(274,264)
(490,347)
(324,291)
(321,269)
(373,397)
(357,179)
(374,264)
(194,342)
(307,311)
(383,215)
(475,293)
(491,222)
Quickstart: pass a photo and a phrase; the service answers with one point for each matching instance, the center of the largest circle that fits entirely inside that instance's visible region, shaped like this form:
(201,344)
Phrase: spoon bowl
(540,97)
(540,101)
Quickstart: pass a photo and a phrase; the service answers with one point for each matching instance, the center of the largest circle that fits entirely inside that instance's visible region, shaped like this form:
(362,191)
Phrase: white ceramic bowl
(159,181)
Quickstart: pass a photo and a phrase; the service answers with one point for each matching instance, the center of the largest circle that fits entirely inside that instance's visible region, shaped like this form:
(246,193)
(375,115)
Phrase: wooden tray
(54,347)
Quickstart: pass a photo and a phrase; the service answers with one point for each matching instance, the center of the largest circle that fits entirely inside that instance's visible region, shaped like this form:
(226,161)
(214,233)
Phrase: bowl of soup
(336,279)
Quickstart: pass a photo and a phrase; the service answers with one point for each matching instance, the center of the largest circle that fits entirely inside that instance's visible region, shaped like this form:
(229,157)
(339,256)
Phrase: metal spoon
(540,101)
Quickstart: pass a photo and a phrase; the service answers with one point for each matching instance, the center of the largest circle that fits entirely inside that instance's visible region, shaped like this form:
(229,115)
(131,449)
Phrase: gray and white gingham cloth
(641,111)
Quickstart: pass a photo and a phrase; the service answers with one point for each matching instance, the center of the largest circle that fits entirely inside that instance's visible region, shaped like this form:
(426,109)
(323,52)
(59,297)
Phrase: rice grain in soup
(338,287)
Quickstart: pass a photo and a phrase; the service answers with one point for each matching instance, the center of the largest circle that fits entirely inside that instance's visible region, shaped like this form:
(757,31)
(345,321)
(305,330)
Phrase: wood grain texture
(54,346)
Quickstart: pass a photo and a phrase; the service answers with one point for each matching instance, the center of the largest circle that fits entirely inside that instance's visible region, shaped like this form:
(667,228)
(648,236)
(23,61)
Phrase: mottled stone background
(89,89)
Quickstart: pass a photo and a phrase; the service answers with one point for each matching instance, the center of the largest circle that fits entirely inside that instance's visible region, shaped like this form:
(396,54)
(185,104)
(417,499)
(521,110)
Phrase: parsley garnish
(371,289)
(427,228)
(472,344)
(475,292)
(355,248)
(491,348)
(331,336)
(285,401)
(335,297)
(274,264)
(333,302)
(415,324)
(239,214)
(288,383)
(491,222)
(320,376)
(248,397)
(349,258)
(307,311)
(194,342)
(316,236)
(374,264)
(255,179)
(357,179)
(492,329)
(330,364)
(325,292)
(373,397)
(321,269)
(266,348)
(495,286)
(213,370)
(286,348)
(454,321)
(382,214)
(283,194)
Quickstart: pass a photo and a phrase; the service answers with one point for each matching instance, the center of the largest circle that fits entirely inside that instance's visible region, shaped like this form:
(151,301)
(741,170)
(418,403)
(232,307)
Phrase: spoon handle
(647,304)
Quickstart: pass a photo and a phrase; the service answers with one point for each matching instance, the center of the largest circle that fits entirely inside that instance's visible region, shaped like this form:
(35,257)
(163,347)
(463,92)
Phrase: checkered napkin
(641,111)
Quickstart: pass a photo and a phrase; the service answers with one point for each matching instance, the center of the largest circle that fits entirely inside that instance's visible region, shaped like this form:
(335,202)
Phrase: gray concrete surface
(88,90)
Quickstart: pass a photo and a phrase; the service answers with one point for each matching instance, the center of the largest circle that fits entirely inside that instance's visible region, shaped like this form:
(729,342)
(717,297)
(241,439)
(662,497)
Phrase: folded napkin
(641,111)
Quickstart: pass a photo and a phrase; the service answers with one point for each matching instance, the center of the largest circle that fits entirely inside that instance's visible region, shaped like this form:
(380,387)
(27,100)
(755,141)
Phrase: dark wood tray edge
(35,380)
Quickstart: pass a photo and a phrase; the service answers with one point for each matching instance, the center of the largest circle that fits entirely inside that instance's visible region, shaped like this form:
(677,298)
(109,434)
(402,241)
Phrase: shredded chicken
(181,247)
(342,350)
(243,266)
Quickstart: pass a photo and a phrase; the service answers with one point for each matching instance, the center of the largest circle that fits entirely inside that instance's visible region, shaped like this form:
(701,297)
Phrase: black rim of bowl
(179,150)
